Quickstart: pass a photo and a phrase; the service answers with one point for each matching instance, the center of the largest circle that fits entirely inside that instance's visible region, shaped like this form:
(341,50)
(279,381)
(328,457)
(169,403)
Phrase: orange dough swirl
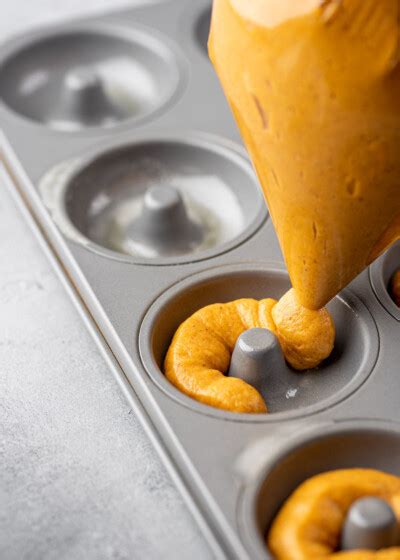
(395,287)
(201,349)
(306,336)
(309,524)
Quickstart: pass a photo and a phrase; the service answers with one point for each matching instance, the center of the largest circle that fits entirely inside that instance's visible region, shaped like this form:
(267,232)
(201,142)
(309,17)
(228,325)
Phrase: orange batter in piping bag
(315,88)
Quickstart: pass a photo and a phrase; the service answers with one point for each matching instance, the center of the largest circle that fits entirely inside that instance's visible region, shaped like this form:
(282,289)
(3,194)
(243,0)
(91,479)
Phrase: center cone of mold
(258,359)
(164,226)
(84,100)
(370,525)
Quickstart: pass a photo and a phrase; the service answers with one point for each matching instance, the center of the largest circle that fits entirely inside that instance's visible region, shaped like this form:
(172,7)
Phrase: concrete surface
(78,478)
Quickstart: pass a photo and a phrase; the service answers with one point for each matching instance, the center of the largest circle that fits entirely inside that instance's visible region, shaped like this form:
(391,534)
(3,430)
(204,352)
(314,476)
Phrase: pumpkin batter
(201,349)
(314,86)
(395,287)
(309,524)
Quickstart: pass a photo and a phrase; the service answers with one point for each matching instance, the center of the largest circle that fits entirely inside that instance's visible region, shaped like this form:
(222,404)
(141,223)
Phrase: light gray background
(79,478)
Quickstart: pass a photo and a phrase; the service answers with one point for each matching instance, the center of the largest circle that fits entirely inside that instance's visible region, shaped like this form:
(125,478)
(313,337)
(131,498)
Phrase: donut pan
(117,138)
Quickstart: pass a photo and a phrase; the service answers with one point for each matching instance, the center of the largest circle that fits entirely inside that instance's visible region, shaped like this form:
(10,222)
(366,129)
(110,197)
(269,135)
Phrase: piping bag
(314,86)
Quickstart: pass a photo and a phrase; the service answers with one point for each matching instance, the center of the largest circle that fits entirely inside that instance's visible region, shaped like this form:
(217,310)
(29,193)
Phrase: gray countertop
(79,478)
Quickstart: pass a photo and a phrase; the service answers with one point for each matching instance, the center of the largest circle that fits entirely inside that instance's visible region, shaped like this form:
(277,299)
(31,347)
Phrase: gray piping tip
(370,524)
(164,225)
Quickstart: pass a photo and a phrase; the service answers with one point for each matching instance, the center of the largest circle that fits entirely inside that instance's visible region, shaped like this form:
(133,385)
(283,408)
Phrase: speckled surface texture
(79,478)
